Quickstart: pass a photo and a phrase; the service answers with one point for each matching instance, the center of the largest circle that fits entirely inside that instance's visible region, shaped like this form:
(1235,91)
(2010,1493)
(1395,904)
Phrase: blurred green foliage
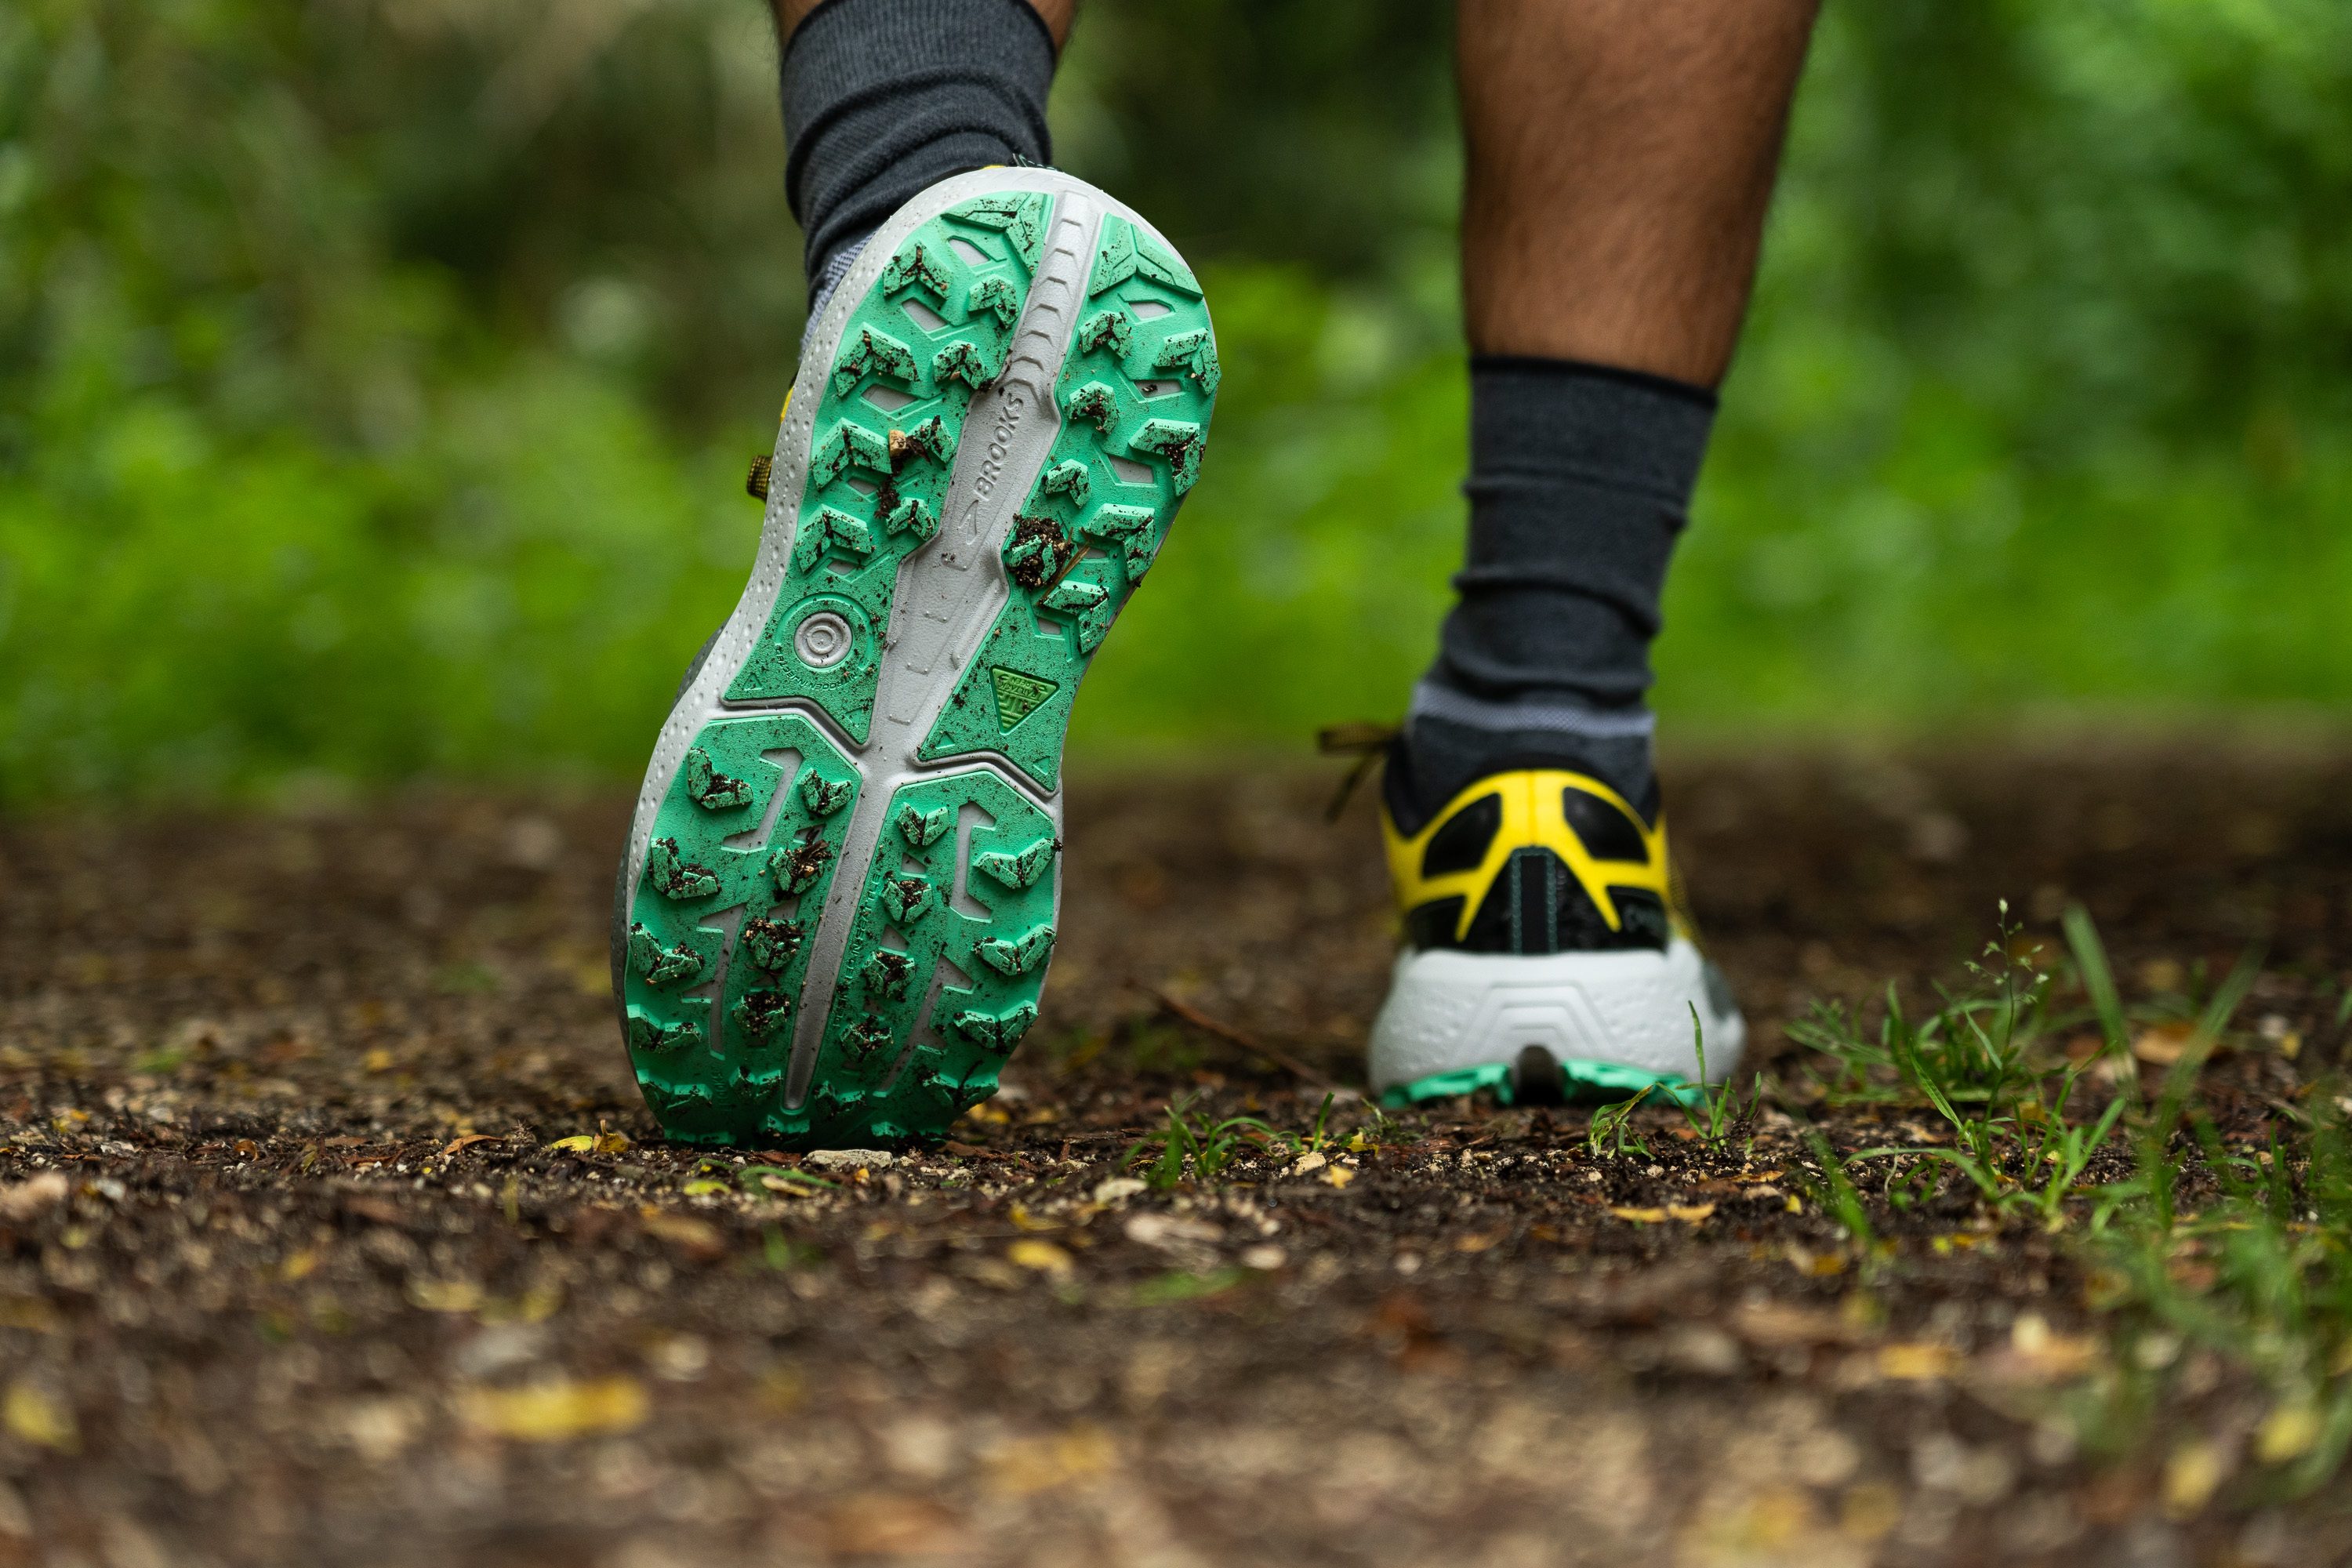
(376,375)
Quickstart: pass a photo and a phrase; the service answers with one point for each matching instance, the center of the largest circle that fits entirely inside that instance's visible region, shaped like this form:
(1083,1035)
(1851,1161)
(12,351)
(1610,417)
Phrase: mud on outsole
(952,930)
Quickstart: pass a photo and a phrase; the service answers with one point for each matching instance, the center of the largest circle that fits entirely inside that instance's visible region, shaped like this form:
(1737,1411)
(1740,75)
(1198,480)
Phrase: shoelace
(1366,741)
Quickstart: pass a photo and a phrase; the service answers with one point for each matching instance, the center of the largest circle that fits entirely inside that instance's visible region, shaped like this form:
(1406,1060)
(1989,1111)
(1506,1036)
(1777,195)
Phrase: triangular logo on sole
(1018,695)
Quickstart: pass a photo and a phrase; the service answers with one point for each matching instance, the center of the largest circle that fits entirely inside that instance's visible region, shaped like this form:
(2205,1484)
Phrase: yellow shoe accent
(1530,809)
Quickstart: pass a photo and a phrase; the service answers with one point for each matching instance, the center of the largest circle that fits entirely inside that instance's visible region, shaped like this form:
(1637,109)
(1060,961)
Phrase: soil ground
(321,1283)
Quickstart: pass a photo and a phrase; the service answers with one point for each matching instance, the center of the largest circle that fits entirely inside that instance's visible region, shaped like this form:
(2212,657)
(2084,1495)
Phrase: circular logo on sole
(824,639)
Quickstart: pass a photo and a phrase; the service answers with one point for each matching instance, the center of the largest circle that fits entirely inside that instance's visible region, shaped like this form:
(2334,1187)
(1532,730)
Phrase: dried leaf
(2191,1476)
(778,1183)
(2161,1044)
(695,1237)
(1642,1216)
(1690,1214)
(445,1295)
(558,1411)
(1915,1361)
(603,1140)
(1028,1466)
(467,1142)
(38,1419)
(1042,1255)
(2290,1432)
(29,1314)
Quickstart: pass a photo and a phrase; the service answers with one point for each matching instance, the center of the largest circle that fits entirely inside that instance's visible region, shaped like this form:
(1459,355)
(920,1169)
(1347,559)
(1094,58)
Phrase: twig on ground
(1226,1032)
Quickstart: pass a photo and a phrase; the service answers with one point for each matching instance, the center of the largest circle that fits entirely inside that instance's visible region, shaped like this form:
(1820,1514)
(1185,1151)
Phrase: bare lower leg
(1058,14)
(1621,158)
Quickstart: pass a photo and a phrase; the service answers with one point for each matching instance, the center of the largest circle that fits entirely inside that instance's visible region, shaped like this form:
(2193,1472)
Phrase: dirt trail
(311,1251)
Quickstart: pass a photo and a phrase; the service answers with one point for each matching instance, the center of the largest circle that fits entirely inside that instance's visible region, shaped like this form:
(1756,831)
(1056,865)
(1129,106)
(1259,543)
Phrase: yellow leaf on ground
(1337,1176)
(2191,1476)
(1690,1213)
(1043,1256)
(1642,1216)
(1027,1466)
(2291,1431)
(445,1295)
(556,1412)
(782,1184)
(38,1419)
(603,1140)
(707,1187)
(688,1234)
(1917,1361)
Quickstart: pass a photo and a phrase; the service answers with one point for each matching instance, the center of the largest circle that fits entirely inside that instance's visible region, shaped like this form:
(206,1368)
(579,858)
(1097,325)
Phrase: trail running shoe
(1548,954)
(839,897)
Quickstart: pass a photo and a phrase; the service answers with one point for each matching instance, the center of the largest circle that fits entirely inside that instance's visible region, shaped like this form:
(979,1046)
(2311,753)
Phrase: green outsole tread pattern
(1136,390)
(942,975)
(946,960)
(746,840)
(885,436)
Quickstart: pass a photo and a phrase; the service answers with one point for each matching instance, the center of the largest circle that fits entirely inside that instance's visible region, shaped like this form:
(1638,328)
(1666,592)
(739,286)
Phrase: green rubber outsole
(1589,1081)
(943,954)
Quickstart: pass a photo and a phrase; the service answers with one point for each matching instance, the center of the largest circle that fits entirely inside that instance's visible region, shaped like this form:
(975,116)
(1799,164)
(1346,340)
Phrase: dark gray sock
(883,97)
(1580,476)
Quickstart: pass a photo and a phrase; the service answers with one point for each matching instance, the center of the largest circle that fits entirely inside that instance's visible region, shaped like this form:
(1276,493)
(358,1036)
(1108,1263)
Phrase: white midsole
(1447,1011)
